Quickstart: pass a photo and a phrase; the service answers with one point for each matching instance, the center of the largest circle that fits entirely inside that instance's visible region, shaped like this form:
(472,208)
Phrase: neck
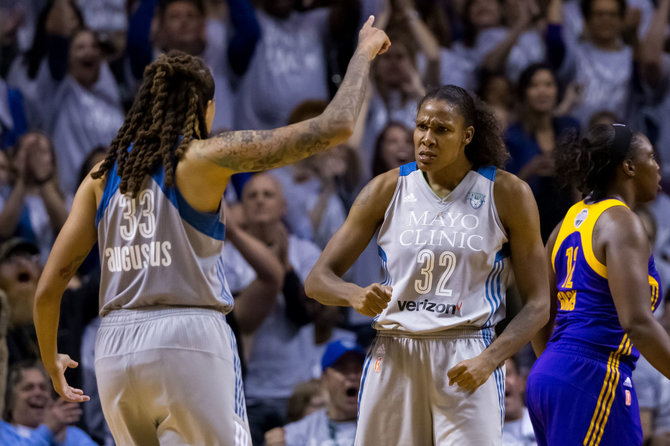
(539,121)
(617,191)
(607,44)
(335,414)
(445,180)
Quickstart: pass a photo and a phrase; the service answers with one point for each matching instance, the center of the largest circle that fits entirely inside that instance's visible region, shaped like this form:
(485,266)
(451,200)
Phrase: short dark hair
(199,4)
(587,6)
(487,147)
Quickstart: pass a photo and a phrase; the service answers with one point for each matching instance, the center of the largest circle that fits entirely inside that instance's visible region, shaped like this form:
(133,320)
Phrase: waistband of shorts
(455,333)
(131,316)
(595,352)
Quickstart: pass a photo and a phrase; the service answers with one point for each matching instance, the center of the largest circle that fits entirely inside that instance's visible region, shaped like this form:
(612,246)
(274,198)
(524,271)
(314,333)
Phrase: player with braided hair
(166,361)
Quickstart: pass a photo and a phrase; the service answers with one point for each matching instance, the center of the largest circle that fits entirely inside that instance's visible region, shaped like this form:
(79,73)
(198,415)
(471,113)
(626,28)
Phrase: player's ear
(469,134)
(628,167)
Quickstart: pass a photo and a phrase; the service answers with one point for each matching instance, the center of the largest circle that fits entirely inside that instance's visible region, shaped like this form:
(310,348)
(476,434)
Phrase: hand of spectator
(526,11)
(40,170)
(275,437)
(413,85)
(373,40)
(234,218)
(279,246)
(10,22)
(61,414)
(471,373)
(631,23)
(62,19)
(57,374)
(372,299)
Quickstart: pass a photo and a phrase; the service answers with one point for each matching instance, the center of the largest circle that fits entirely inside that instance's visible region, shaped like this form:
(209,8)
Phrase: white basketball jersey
(446,258)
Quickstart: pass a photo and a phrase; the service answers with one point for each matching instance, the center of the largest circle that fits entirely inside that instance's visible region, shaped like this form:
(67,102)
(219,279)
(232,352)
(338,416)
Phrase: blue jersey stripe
(408,168)
(366,365)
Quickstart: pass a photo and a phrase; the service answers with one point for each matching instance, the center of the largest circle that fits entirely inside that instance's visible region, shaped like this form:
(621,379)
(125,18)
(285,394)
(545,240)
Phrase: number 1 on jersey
(571,254)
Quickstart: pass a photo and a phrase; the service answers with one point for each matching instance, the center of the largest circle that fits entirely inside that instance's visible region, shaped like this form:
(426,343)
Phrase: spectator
(531,143)
(33,207)
(342,364)
(13,115)
(307,398)
(19,271)
(86,109)
(32,417)
(601,63)
(518,429)
(275,364)
(288,65)
(183,25)
(491,46)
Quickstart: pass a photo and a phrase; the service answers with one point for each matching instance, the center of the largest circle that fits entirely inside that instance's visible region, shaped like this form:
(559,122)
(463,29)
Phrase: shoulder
(618,226)
(379,191)
(508,186)
(514,199)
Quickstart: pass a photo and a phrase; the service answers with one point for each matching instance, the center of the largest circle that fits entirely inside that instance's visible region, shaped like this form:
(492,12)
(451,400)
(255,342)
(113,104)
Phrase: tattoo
(68,271)
(251,150)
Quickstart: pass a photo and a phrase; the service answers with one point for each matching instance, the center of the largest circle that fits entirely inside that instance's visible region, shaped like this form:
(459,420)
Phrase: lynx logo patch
(476,199)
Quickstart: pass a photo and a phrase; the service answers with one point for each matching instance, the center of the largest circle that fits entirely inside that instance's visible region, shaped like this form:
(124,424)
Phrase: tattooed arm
(252,150)
(324,282)
(73,244)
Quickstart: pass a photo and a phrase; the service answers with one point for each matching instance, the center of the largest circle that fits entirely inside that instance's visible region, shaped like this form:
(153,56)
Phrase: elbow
(311,285)
(540,312)
(337,126)
(636,325)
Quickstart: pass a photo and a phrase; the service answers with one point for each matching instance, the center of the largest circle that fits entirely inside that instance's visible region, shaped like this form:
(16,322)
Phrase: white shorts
(405,397)
(170,376)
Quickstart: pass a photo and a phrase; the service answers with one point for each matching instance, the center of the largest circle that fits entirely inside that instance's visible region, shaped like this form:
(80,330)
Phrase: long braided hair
(170,105)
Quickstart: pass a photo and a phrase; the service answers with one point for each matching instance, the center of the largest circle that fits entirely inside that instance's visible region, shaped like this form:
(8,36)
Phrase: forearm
(253,150)
(651,50)
(265,263)
(495,60)
(326,287)
(518,333)
(46,314)
(246,33)
(653,342)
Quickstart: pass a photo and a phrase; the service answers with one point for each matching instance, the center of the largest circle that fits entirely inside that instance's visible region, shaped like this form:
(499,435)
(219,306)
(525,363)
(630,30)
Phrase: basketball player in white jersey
(165,362)
(452,229)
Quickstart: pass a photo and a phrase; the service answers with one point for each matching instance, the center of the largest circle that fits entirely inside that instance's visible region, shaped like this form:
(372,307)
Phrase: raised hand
(373,40)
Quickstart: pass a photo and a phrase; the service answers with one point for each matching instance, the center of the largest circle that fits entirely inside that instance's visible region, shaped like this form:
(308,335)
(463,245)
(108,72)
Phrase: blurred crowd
(69,70)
